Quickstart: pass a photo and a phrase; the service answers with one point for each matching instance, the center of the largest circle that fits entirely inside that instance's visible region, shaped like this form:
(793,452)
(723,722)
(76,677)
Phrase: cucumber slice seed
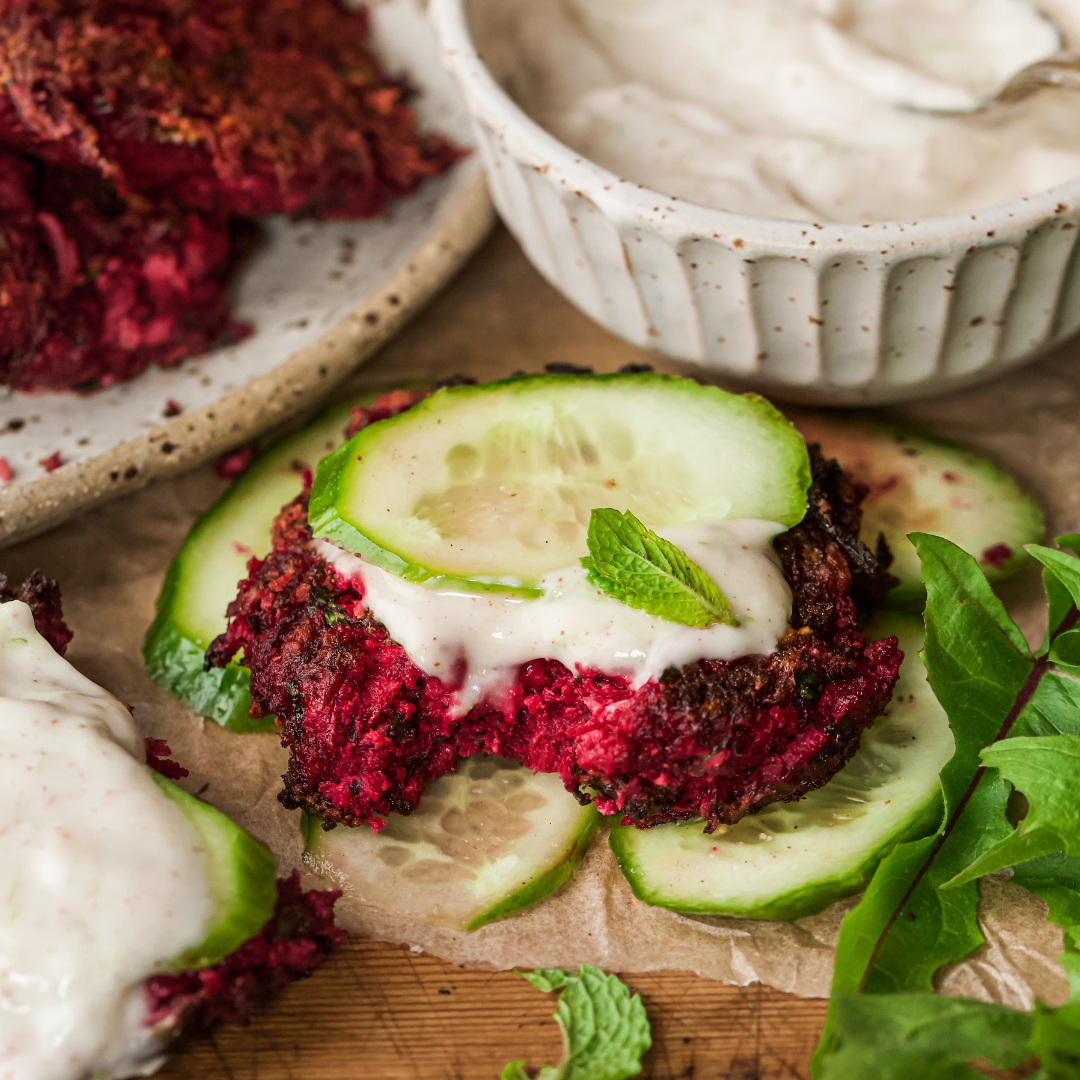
(484,843)
(795,859)
(203,577)
(930,485)
(241,875)
(493,485)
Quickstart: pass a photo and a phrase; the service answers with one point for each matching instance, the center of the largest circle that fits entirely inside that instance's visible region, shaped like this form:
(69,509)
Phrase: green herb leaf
(924,1037)
(605,1029)
(913,918)
(1057,880)
(631,563)
(985,677)
(1047,771)
(1064,566)
(1055,1041)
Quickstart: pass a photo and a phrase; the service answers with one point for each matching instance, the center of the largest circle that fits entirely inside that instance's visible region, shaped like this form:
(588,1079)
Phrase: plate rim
(297,384)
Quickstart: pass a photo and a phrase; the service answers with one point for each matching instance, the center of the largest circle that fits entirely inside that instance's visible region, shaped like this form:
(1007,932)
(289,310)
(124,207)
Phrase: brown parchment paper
(498,318)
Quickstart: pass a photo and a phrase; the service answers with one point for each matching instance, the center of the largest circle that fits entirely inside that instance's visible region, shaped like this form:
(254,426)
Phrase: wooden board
(378,1011)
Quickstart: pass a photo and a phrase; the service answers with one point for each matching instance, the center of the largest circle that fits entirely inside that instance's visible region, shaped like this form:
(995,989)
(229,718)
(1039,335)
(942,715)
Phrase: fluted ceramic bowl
(836,314)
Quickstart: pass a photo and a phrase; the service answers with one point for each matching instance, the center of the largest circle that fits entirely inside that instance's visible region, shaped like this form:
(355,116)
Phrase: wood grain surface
(380,1011)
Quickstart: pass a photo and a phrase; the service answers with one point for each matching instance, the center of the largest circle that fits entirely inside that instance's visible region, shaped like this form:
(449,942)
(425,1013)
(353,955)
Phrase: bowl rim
(540,149)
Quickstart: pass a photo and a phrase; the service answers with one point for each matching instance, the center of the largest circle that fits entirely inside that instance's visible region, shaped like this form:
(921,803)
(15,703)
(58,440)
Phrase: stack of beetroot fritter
(367,729)
(134,137)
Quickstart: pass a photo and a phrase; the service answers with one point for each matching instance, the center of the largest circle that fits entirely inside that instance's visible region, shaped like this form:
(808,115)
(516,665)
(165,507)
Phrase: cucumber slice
(930,485)
(794,859)
(493,485)
(483,844)
(241,875)
(203,577)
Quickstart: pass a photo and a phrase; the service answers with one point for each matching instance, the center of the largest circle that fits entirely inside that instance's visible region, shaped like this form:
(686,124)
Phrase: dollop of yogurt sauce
(491,635)
(102,879)
(798,109)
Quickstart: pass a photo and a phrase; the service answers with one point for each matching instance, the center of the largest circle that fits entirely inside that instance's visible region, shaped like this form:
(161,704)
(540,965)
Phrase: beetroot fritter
(299,938)
(133,136)
(368,730)
(42,594)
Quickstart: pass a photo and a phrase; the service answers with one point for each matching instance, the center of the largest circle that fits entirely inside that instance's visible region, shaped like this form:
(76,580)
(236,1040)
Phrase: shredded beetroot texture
(133,136)
(43,596)
(297,940)
(159,758)
(367,730)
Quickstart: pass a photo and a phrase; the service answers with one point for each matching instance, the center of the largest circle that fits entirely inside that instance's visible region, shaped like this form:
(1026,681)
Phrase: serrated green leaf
(1057,880)
(1071,541)
(1047,771)
(1059,605)
(984,676)
(631,563)
(978,663)
(1054,708)
(915,1036)
(1060,563)
(605,1030)
(1055,1041)
(1066,649)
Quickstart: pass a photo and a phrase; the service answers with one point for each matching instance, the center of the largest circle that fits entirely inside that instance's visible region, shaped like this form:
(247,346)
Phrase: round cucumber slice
(794,859)
(483,844)
(203,577)
(241,875)
(930,485)
(493,485)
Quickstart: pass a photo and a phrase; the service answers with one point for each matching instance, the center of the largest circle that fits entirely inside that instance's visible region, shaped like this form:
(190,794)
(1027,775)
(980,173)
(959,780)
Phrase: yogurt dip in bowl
(758,185)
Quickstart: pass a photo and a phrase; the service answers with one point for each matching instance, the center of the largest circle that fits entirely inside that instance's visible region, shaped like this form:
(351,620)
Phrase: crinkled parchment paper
(111,563)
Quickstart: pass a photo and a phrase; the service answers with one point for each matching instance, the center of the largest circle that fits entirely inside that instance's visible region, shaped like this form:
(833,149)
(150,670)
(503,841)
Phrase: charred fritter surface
(368,730)
(42,594)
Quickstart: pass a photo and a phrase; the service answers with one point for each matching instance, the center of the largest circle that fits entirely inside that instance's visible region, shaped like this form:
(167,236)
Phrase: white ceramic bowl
(837,314)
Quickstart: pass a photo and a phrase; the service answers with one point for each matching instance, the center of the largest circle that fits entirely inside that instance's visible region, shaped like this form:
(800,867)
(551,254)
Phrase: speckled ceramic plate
(322,297)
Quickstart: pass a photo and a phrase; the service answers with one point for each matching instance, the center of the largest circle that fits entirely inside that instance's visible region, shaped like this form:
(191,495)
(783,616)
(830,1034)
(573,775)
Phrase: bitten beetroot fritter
(367,730)
(299,938)
(134,136)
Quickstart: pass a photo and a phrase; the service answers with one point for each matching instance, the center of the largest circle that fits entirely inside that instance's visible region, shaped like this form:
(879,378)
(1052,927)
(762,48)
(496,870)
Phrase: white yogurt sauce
(574,622)
(797,109)
(102,879)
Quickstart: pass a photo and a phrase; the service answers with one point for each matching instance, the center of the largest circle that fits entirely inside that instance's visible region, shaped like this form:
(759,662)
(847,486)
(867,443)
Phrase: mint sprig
(631,563)
(605,1030)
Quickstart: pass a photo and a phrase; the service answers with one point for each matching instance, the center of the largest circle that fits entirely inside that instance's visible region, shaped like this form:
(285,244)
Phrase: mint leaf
(1047,771)
(631,563)
(605,1029)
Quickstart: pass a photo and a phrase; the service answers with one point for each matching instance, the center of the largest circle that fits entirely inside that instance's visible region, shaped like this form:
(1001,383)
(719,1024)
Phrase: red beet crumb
(159,758)
(382,408)
(299,938)
(367,730)
(52,462)
(43,596)
(997,556)
(133,139)
(231,464)
(5,472)
(172,408)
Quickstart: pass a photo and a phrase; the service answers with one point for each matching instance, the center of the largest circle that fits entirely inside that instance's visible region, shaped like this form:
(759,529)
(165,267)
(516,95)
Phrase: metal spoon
(1061,70)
